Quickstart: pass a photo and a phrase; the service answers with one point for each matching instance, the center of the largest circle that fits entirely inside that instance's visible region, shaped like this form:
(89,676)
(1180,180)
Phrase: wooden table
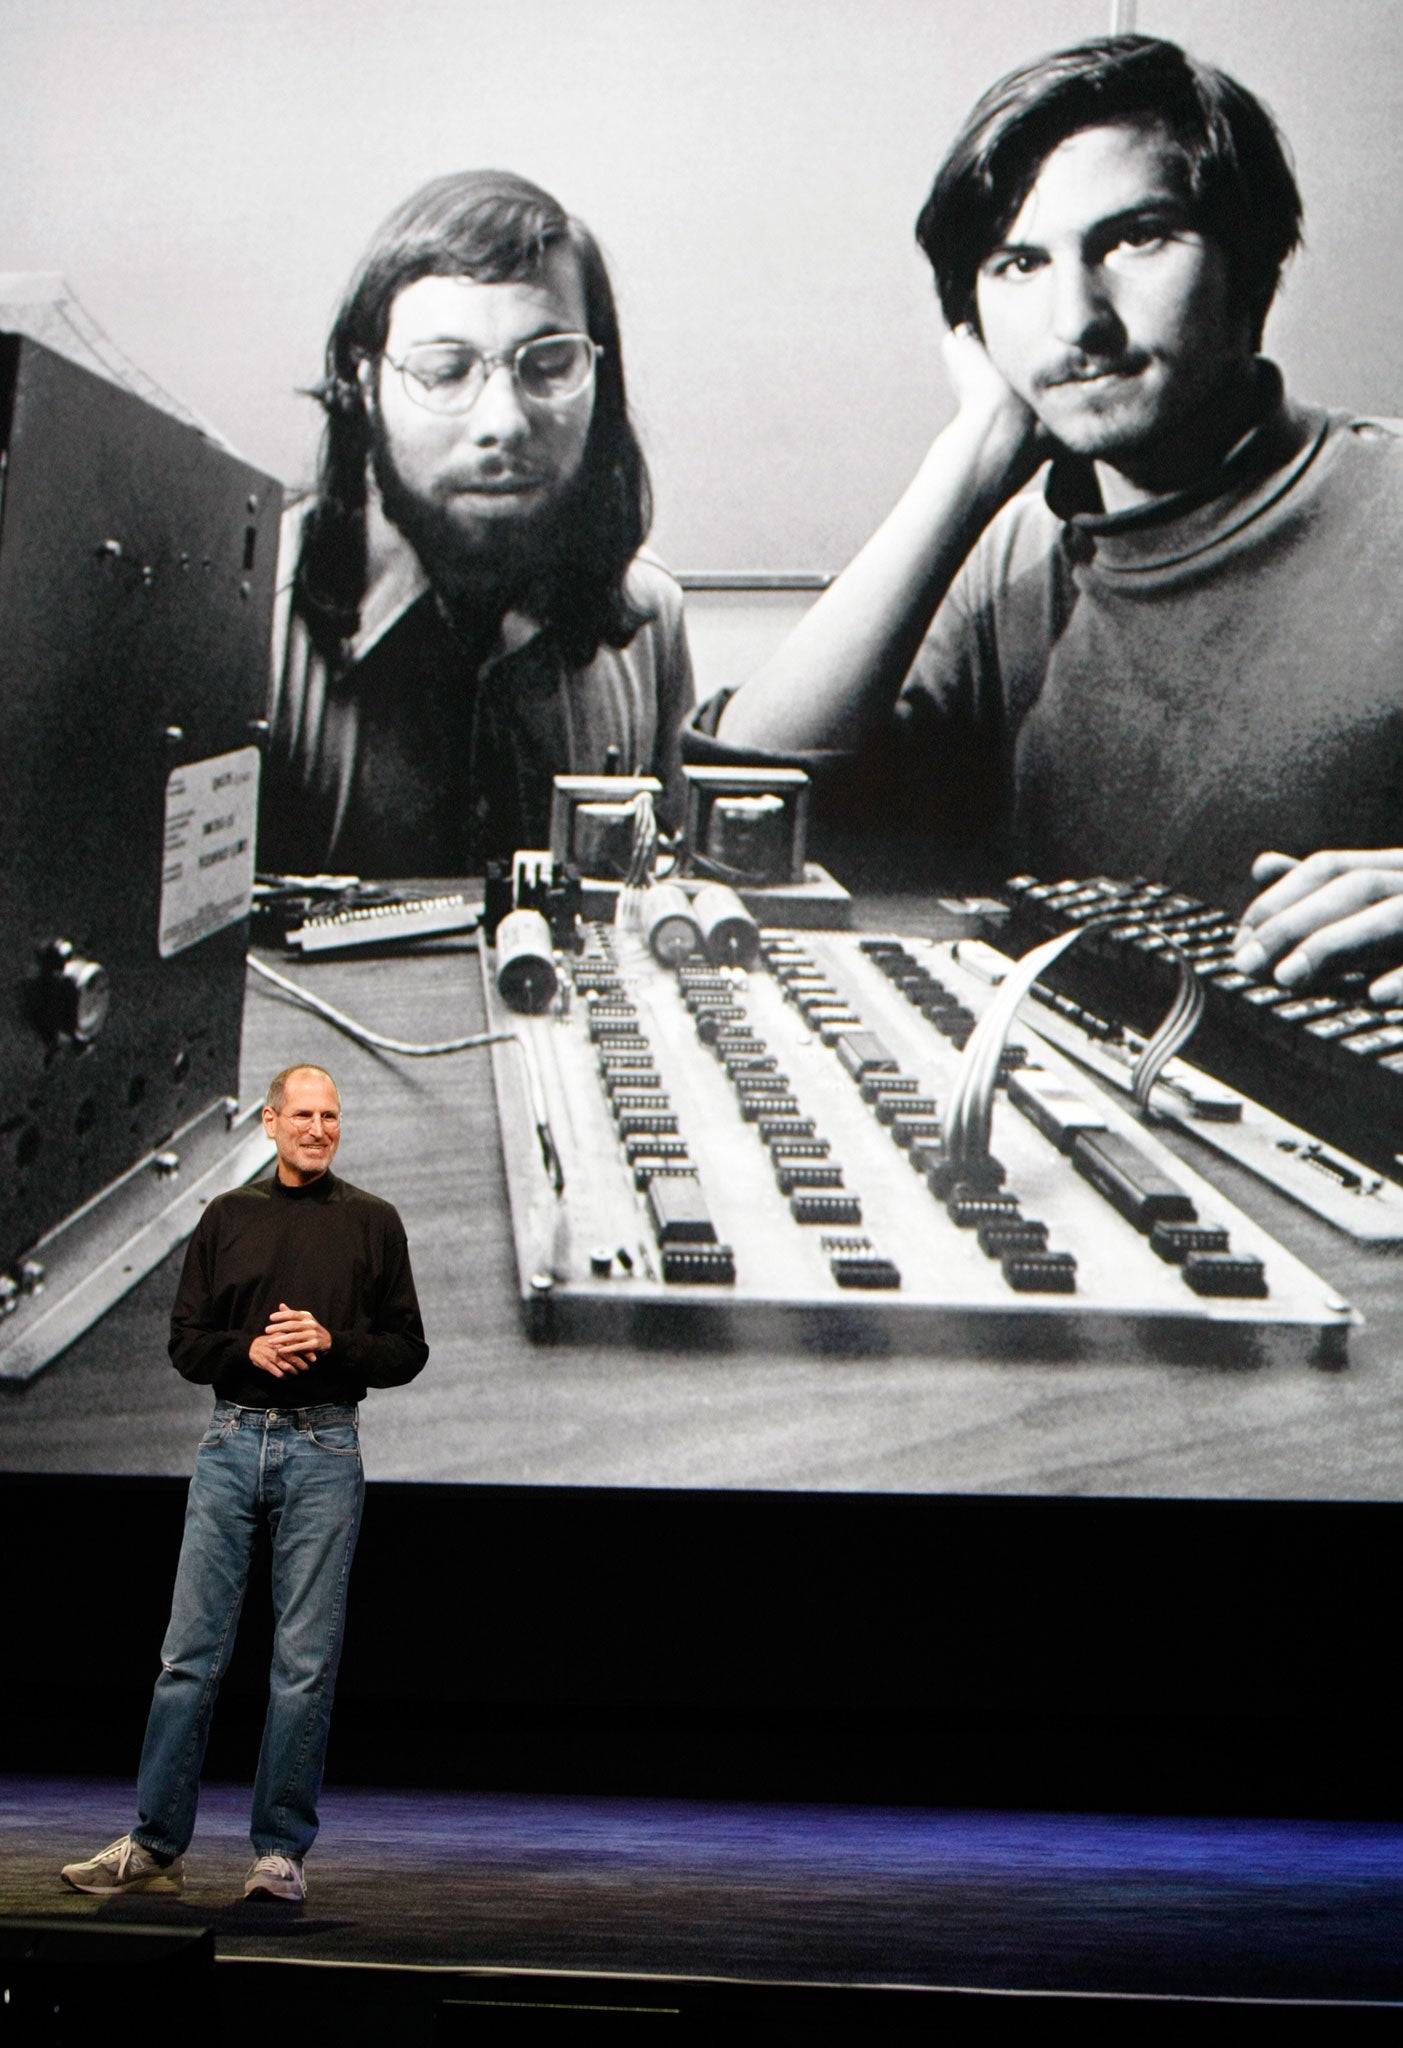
(714,1411)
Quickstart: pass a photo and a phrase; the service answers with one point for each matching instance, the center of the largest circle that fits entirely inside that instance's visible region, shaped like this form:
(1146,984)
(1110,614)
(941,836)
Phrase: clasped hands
(290,1342)
(1331,911)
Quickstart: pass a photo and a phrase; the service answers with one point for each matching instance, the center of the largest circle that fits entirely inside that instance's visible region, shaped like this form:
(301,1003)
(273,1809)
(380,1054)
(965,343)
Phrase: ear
(270,1117)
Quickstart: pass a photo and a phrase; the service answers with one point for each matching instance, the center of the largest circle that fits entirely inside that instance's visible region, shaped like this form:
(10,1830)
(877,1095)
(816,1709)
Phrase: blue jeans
(298,1472)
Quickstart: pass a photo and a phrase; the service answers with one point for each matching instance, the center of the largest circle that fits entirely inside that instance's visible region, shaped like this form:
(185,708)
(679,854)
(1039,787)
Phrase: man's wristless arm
(840,671)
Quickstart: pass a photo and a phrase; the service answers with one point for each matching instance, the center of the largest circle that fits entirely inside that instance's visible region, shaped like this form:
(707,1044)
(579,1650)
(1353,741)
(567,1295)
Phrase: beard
(498,566)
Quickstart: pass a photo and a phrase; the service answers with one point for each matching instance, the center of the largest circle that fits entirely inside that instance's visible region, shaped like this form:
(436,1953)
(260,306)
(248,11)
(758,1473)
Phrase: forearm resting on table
(840,671)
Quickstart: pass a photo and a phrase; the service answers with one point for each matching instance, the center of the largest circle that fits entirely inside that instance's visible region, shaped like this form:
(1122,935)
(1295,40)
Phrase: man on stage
(295,1297)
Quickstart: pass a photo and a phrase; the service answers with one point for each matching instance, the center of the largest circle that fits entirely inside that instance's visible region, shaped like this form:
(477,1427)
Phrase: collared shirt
(422,758)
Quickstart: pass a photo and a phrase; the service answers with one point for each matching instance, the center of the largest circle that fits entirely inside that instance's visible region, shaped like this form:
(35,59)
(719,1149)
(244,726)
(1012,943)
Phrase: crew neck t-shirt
(1167,691)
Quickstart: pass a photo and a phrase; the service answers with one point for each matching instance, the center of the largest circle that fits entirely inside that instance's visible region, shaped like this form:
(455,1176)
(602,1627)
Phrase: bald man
(295,1297)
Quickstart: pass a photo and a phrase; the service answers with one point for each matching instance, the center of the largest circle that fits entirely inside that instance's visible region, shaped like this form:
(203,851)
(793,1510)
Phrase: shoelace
(126,1852)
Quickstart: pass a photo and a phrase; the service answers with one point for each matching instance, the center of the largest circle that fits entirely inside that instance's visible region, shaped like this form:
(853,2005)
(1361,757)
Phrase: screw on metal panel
(166,1163)
(74,995)
(173,735)
(31,1276)
(9,1295)
(259,728)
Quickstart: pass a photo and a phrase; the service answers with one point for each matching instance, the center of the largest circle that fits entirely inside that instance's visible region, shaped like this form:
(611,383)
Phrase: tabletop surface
(497,1405)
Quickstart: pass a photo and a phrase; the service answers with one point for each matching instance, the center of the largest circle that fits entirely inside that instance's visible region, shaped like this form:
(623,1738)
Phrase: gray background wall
(207,171)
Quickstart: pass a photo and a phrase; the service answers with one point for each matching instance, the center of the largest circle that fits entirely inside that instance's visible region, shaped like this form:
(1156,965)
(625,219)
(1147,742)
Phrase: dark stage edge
(458,1912)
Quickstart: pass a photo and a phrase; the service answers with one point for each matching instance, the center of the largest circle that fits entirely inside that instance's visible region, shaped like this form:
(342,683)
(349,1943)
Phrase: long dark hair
(1239,179)
(496,228)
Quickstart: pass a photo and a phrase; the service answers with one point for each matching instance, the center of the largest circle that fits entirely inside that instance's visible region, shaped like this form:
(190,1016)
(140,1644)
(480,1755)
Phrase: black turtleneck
(326,1247)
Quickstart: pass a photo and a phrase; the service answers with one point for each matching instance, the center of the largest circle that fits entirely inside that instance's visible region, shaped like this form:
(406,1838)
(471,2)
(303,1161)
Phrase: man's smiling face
(307,1127)
(1110,313)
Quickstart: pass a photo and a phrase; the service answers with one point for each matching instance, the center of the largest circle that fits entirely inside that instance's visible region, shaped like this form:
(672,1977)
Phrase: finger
(1270,867)
(1295,880)
(1371,925)
(1298,920)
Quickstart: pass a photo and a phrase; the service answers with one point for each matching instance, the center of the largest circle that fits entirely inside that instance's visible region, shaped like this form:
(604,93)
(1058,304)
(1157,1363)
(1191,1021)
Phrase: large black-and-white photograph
(756,648)
(701,1017)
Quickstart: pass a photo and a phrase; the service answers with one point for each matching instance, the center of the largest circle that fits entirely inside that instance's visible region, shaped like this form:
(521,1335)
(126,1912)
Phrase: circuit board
(716,1137)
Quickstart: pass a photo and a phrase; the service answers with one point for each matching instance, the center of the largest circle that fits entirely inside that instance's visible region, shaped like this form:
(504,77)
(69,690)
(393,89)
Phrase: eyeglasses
(449,376)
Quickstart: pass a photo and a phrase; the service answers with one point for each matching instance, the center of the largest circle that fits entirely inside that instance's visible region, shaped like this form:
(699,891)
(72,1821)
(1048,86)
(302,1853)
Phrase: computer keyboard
(1327,1058)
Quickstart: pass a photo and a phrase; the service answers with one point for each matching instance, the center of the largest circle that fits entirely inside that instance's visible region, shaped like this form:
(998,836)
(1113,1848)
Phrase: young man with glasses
(1181,656)
(465,609)
(296,1296)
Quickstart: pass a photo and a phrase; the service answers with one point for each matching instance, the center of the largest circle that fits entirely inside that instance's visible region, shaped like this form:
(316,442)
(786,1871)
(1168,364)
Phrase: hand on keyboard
(1330,911)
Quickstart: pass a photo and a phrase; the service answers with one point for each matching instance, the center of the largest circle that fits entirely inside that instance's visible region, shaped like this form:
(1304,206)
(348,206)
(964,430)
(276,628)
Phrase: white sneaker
(125,1866)
(276,1877)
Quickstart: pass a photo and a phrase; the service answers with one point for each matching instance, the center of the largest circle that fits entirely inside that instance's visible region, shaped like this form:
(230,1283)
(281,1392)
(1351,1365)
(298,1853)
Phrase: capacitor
(526,976)
(729,933)
(672,931)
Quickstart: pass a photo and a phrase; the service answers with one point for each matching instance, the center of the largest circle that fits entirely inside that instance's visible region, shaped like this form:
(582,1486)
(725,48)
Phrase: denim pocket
(220,1426)
(341,1438)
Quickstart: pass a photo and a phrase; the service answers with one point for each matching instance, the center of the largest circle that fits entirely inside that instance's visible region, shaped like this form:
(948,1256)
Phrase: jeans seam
(293,1787)
(328,1670)
(199,1723)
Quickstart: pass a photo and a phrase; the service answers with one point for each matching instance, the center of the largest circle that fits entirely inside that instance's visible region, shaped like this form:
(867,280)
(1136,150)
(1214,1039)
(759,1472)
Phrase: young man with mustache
(1182,656)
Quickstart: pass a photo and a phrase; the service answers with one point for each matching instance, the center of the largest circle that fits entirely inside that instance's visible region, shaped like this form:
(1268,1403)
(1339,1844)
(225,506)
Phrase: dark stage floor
(1307,1910)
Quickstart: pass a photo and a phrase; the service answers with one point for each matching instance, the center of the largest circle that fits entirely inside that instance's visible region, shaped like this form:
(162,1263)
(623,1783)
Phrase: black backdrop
(1152,1656)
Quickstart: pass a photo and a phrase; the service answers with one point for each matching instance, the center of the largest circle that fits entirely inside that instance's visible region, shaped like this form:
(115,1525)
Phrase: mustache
(494,469)
(1077,367)
(517,562)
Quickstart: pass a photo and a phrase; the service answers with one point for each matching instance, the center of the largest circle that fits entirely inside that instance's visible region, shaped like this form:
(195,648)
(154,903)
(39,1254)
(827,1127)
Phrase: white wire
(969,1114)
(362,1032)
(970,1109)
(1178,1026)
(628,910)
